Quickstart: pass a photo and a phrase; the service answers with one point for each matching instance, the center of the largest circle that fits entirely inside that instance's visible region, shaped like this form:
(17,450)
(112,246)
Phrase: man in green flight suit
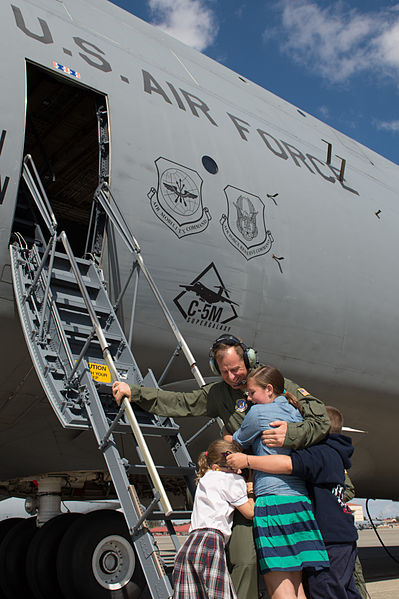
(227,400)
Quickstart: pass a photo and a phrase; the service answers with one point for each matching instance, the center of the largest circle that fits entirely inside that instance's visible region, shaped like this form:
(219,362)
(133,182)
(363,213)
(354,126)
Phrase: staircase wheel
(96,559)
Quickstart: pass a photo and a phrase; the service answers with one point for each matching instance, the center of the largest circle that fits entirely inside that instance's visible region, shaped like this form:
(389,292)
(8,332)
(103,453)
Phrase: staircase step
(62,258)
(68,278)
(180,471)
(79,329)
(176,515)
(65,301)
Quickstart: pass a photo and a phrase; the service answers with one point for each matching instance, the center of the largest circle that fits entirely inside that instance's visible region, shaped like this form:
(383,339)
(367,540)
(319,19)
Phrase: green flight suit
(220,400)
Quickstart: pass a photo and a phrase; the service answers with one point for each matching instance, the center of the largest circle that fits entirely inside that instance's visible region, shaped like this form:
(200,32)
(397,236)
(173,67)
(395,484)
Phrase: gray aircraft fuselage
(224,185)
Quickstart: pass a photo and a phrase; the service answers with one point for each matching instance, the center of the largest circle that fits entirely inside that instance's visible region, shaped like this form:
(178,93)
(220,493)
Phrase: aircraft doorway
(64,124)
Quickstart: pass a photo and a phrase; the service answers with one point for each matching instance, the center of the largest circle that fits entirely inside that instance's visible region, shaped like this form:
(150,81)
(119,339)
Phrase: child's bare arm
(247,509)
(274,464)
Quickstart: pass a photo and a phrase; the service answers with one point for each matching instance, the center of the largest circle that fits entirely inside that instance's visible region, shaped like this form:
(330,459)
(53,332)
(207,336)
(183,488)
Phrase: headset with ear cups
(249,356)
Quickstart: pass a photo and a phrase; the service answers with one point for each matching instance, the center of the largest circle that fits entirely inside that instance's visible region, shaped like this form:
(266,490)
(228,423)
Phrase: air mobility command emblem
(241,405)
(177,201)
(244,224)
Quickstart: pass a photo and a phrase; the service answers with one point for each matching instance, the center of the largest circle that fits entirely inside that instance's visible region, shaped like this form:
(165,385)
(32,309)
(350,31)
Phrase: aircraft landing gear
(96,559)
(72,556)
(5,527)
(41,559)
(13,548)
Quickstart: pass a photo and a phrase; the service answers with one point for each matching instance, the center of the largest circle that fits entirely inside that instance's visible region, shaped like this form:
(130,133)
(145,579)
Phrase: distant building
(357,511)
(388,523)
(180,529)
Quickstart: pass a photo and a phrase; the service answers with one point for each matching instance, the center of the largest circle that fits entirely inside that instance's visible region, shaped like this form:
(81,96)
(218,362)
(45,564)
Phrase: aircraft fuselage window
(210,165)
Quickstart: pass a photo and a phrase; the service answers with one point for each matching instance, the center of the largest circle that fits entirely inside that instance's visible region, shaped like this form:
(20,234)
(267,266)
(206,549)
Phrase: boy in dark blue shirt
(323,467)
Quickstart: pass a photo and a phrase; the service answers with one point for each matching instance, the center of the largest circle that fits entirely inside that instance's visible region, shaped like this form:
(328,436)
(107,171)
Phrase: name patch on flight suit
(241,405)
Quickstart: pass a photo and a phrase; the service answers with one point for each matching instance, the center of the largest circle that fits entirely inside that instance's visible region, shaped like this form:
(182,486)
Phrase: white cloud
(189,21)
(339,42)
(239,12)
(324,111)
(388,125)
(388,43)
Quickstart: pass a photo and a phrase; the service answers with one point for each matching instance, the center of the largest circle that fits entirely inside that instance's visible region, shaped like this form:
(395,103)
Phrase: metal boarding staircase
(74,337)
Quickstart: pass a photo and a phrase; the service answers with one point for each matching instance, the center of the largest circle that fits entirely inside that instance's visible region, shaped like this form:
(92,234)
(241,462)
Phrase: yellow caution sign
(100,372)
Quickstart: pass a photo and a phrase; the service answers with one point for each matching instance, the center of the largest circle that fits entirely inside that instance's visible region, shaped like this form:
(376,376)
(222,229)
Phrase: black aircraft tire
(41,558)
(5,526)
(13,548)
(96,559)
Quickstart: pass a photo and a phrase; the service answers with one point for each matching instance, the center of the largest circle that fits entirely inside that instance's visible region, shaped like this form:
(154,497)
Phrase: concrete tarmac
(381,572)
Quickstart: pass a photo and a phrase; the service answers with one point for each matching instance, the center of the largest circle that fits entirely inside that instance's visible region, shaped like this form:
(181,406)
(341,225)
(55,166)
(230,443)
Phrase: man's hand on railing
(121,390)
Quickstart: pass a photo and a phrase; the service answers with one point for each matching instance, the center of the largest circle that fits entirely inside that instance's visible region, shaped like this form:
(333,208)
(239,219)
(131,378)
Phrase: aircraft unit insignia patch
(241,405)
(206,302)
(244,224)
(177,201)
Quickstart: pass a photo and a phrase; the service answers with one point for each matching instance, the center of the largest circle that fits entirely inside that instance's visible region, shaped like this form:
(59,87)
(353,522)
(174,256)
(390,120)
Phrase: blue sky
(337,60)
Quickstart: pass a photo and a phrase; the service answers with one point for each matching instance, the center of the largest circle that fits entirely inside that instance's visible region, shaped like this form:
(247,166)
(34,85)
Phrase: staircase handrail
(32,180)
(152,471)
(134,248)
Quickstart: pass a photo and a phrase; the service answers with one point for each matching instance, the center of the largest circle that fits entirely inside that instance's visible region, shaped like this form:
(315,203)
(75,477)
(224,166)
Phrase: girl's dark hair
(268,375)
(216,454)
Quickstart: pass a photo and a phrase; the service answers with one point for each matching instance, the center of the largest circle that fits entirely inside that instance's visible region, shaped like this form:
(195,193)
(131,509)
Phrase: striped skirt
(287,536)
(200,570)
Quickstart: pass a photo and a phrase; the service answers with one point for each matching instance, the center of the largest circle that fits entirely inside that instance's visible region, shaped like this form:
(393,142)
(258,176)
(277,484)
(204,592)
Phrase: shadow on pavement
(377,564)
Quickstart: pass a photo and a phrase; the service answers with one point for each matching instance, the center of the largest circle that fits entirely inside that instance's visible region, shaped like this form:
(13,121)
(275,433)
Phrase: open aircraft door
(67,135)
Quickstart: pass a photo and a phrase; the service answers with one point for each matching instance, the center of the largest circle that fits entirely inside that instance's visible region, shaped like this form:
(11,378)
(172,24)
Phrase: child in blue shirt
(287,537)
(323,466)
